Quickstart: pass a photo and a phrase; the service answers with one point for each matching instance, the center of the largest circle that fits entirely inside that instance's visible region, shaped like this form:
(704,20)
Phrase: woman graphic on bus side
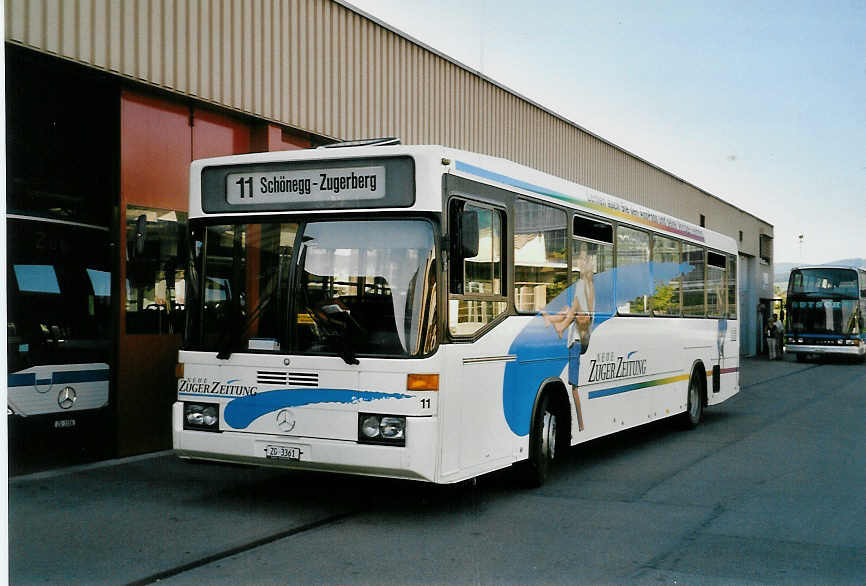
(579,313)
(582,305)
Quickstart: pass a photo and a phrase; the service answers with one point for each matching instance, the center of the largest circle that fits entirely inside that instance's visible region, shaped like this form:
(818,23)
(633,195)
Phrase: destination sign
(307,185)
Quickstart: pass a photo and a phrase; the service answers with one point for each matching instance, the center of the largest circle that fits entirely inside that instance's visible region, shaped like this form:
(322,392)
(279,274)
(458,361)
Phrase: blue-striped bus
(426,313)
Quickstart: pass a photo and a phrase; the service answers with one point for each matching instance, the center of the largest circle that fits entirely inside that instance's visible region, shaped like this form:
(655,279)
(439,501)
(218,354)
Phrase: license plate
(284,452)
(64,423)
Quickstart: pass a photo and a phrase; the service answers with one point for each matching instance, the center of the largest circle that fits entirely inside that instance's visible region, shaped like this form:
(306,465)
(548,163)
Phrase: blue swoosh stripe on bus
(240,412)
(28,379)
(542,355)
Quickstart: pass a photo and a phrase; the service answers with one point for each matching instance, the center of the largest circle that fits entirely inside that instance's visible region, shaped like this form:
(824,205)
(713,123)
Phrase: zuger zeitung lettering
(351,181)
(602,371)
(216,388)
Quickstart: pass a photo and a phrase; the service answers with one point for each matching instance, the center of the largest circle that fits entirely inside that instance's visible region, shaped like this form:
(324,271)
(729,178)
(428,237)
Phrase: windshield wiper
(231,337)
(225,351)
(335,324)
(325,317)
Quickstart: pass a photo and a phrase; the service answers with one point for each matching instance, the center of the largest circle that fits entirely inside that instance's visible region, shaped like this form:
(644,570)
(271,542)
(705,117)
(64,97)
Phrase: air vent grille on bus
(295,379)
(304,379)
(271,377)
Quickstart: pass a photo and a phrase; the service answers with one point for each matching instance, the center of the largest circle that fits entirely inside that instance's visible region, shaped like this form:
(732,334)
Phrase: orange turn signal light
(422,382)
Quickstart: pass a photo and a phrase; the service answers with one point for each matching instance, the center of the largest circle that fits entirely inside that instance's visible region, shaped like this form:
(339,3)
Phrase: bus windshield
(823,301)
(59,287)
(337,287)
(824,282)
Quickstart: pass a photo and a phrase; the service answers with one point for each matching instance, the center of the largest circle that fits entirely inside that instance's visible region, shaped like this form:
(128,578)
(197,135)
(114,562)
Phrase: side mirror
(469,234)
(140,234)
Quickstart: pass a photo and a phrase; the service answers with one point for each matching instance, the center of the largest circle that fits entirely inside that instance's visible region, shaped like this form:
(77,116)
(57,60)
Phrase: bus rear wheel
(695,406)
(543,437)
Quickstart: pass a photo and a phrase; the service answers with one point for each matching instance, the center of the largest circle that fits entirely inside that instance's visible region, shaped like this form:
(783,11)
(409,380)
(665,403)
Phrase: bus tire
(695,404)
(543,445)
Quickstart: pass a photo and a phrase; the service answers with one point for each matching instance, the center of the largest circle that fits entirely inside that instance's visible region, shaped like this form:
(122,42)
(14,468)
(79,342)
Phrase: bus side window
(540,255)
(716,285)
(633,279)
(732,287)
(693,281)
(477,281)
(667,278)
(592,253)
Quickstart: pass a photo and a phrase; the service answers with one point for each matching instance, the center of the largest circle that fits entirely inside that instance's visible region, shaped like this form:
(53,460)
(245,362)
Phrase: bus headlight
(392,428)
(369,427)
(382,429)
(201,416)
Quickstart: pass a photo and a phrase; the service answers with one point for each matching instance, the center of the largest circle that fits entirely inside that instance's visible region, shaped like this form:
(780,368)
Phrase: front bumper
(859,350)
(415,461)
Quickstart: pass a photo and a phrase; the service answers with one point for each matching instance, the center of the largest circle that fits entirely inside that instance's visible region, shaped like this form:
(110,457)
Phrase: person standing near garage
(771,336)
(780,337)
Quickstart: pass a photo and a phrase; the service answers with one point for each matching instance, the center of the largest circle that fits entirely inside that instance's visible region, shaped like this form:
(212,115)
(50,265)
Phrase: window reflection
(155,268)
(36,279)
(482,274)
(632,275)
(260,254)
(481,277)
(732,287)
(540,255)
(667,279)
(693,281)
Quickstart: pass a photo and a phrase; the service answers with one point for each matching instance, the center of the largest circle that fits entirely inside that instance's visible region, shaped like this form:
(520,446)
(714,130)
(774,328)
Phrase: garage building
(108,102)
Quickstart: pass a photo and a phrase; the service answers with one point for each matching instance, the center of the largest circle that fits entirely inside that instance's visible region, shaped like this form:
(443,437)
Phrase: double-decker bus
(58,336)
(826,311)
(426,313)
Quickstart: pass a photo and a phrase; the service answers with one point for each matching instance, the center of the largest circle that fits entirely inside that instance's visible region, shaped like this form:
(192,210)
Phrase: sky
(762,104)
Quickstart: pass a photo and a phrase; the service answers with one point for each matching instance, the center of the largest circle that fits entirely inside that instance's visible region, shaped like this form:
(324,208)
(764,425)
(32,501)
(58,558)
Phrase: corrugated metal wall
(320,67)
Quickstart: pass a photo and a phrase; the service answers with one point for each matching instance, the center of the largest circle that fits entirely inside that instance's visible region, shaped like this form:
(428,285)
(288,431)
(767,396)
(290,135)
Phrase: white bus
(426,313)
(58,335)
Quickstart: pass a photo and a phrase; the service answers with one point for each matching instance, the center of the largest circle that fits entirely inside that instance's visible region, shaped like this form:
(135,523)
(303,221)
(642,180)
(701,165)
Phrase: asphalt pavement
(769,489)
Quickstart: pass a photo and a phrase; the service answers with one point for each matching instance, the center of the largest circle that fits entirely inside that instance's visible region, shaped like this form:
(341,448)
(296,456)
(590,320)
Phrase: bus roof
(848,267)
(431,161)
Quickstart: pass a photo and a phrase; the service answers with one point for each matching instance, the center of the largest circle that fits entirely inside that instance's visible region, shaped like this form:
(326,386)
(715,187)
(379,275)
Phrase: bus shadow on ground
(274,490)
(832,359)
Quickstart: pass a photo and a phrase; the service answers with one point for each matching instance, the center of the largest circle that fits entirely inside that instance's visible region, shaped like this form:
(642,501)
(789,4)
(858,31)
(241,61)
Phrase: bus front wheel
(542,443)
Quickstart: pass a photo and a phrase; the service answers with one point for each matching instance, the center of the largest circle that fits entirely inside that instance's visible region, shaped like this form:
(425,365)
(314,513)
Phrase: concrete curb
(26,478)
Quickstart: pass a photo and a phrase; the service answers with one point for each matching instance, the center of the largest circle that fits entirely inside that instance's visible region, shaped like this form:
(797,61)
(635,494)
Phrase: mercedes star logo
(286,420)
(66,397)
